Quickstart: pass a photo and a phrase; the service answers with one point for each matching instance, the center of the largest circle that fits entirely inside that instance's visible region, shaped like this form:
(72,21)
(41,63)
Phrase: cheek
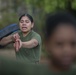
(20,25)
(29,25)
(54,51)
(57,52)
(53,48)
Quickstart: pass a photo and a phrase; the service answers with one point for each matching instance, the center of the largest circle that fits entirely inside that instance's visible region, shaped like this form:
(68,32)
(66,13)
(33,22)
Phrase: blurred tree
(10,9)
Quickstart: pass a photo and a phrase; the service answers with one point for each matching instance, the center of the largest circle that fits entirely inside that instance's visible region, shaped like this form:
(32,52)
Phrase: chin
(25,31)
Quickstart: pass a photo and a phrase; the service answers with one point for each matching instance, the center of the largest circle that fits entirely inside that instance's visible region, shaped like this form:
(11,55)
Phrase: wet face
(25,24)
(61,45)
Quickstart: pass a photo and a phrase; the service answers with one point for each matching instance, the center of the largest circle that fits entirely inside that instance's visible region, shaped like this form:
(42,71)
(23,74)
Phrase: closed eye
(21,21)
(27,21)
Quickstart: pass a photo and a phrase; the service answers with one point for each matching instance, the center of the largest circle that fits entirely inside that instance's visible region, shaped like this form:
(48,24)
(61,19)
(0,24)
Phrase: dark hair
(29,16)
(57,18)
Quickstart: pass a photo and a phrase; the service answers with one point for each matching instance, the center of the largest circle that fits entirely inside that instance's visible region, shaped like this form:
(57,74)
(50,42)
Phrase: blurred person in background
(61,43)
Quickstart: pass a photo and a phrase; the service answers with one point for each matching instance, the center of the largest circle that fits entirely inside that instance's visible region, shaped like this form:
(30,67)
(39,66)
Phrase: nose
(24,24)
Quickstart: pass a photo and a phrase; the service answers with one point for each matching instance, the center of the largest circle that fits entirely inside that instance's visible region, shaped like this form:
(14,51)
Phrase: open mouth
(24,28)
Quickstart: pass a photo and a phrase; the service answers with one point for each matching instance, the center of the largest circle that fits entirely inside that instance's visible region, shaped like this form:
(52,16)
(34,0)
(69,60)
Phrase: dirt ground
(7,53)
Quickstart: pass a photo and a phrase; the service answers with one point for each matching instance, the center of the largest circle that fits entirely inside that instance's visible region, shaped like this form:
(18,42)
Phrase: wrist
(13,40)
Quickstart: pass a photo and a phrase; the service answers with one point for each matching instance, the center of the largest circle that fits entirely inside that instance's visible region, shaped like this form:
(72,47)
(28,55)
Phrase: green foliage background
(10,10)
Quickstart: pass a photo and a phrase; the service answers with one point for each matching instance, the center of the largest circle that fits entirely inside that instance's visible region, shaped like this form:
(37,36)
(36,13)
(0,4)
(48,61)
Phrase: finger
(17,36)
(17,46)
(14,37)
(19,43)
(17,40)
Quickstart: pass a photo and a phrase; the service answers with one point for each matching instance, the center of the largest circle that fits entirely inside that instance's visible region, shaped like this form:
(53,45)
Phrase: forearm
(30,44)
(6,40)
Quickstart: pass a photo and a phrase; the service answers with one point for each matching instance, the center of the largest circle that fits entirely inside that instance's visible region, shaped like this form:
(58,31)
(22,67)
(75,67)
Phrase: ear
(32,25)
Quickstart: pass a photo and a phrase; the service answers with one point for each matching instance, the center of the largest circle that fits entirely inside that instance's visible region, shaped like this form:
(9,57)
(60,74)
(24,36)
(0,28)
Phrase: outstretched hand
(16,36)
(18,43)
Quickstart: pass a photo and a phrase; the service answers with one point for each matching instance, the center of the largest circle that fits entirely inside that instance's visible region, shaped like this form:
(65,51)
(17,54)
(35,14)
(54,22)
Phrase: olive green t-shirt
(30,54)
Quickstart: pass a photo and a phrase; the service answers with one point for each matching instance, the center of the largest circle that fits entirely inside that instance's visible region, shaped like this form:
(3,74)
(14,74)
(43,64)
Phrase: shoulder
(35,34)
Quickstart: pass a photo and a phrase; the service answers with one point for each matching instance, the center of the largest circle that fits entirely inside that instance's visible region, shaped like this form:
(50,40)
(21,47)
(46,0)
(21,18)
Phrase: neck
(26,33)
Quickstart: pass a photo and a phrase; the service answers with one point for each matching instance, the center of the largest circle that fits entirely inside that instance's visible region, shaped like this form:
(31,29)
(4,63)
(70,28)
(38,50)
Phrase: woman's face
(25,24)
(61,45)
